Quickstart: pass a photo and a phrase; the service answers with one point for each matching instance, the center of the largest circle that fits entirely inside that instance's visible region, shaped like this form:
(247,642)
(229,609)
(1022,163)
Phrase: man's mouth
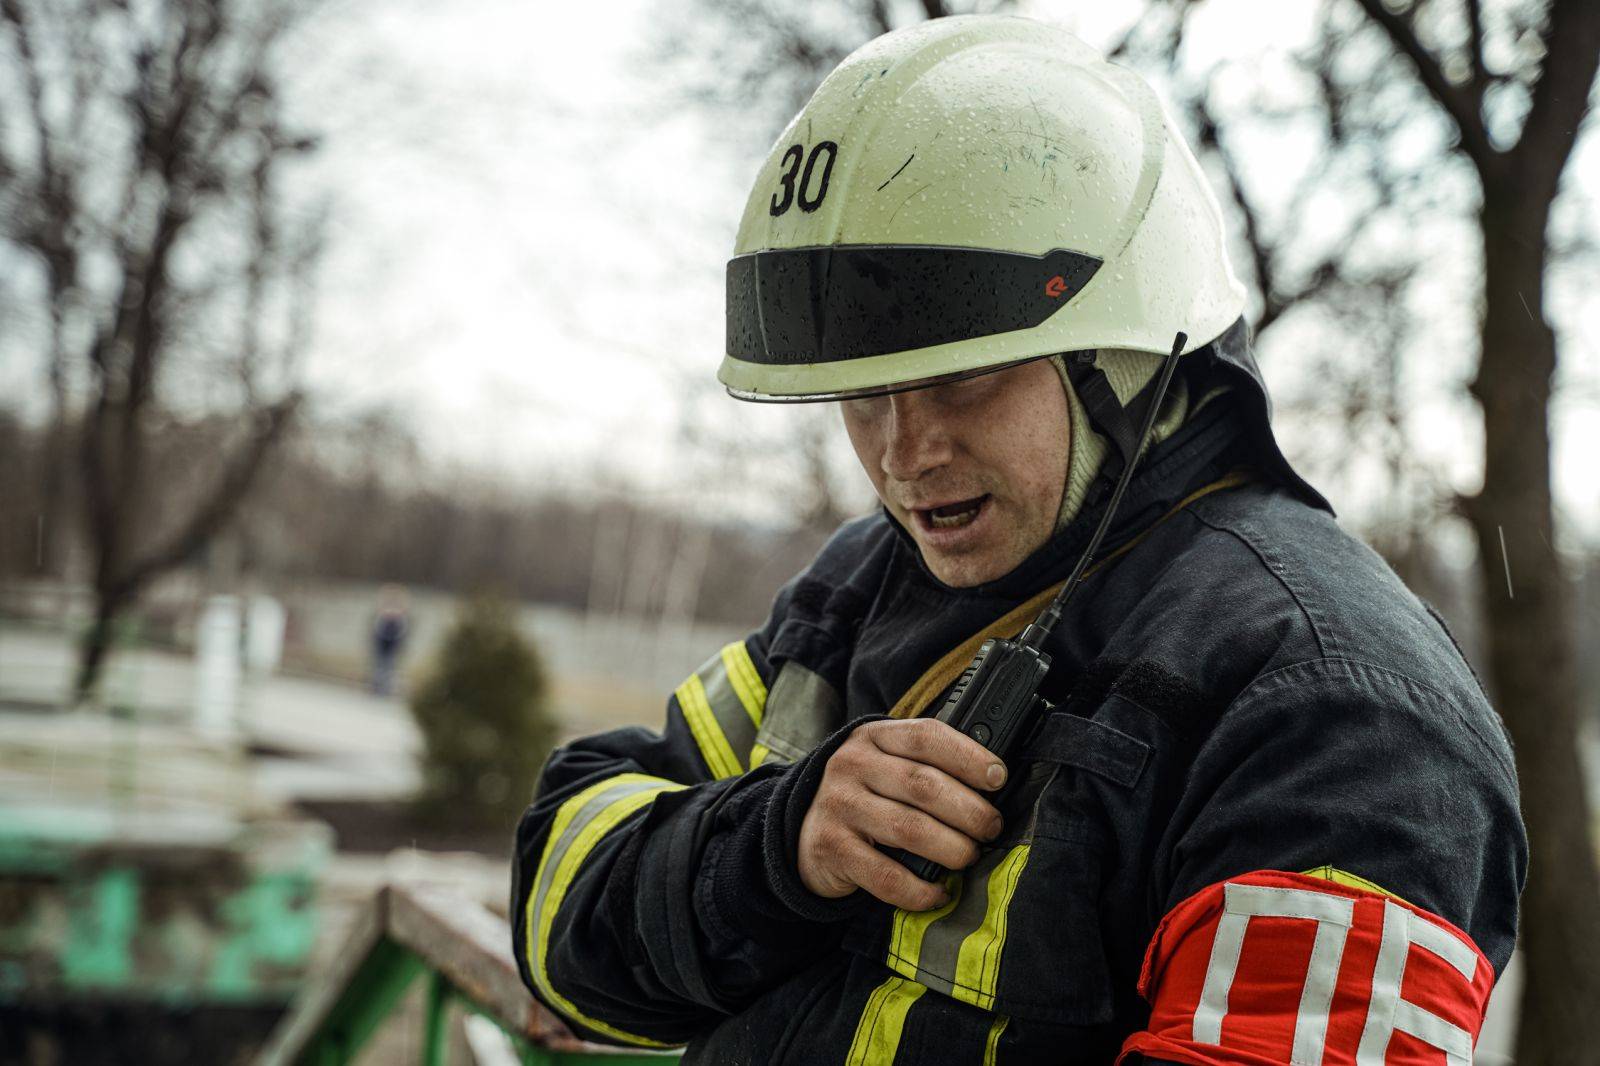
(950,515)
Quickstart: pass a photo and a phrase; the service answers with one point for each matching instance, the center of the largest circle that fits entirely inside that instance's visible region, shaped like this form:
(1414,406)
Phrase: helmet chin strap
(1129,435)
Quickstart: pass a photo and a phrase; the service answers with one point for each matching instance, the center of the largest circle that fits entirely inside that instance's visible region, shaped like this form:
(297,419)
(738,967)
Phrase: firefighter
(1267,815)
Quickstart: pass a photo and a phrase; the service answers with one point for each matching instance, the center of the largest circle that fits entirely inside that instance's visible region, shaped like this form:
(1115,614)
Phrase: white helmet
(962,195)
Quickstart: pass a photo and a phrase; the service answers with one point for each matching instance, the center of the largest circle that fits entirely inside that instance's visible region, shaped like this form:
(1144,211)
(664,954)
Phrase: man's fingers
(930,789)
(891,882)
(931,741)
(906,785)
(885,821)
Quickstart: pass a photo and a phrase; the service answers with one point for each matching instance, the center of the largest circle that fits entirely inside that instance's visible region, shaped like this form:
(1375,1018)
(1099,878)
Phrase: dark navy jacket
(1241,686)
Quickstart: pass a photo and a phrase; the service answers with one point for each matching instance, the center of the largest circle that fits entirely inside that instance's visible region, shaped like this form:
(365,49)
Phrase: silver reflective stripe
(581,822)
(802,709)
(586,814)
(726,707)
(936,953)
(722,703)
(941,944)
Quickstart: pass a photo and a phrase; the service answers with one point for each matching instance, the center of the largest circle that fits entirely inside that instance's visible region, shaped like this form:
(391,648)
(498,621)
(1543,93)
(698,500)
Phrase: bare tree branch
(1262,260)
(223,500)
(1475,45)
(879,14)
(12,11)
(1208,134)
(1464,104)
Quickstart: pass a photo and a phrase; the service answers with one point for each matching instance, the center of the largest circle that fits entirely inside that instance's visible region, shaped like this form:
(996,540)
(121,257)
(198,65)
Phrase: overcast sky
(526,259)
(528,243)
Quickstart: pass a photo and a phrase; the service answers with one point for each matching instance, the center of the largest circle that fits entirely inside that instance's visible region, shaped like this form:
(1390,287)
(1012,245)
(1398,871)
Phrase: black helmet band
(836,302)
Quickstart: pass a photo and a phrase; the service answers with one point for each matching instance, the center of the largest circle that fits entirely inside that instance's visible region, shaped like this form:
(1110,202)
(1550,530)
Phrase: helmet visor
(837,302)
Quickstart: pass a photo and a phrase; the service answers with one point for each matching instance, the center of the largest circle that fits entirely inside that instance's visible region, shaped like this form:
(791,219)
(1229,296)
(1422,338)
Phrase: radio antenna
(1039,629)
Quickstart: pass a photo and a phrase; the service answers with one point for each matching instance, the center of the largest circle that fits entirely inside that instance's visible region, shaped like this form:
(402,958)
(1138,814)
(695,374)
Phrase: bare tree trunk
(56,454)
(1532,661)
(105,528)
(94,646)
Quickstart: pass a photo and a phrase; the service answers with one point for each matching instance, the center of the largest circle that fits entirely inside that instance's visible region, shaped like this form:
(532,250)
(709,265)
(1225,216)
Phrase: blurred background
(359,436)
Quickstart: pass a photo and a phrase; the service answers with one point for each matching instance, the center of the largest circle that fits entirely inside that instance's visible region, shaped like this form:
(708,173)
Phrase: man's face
(975,469)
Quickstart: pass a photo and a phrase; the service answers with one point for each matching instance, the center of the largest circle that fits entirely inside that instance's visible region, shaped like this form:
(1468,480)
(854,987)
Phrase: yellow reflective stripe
(1350,880)
(758,755)
(634,791)
(708,735)
(978,961)
(746,680)
(905,935)
(991,1045)
(882,1022)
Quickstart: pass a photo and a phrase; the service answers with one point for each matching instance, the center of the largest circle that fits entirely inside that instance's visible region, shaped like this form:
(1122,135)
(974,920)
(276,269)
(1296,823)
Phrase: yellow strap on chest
(943,673)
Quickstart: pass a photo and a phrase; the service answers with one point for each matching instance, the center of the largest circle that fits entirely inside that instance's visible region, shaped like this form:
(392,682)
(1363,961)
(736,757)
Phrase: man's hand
(909,784)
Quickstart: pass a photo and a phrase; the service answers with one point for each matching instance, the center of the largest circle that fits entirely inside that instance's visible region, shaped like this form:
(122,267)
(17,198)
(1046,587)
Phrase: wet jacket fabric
(1240,686)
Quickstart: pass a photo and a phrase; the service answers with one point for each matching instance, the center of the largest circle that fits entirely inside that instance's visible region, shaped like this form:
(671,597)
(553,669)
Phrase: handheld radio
(998,694)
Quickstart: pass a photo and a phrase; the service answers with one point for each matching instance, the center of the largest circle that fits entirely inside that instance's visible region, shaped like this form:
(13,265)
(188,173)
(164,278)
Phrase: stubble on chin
(962,570)
(980,566)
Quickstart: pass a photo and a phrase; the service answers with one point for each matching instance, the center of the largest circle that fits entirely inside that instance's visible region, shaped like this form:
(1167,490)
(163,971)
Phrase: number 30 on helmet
(963,195)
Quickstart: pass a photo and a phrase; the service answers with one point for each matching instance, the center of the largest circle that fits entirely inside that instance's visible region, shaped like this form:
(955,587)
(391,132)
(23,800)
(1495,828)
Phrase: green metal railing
(463,954)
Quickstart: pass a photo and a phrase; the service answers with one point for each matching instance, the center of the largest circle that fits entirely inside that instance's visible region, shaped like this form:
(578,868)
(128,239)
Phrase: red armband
(1271,968)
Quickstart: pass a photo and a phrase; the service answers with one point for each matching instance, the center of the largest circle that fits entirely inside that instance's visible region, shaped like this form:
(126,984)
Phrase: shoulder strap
(943,673)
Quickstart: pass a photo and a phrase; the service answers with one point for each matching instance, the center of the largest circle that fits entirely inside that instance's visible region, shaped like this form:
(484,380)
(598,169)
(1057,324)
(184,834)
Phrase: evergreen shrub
(484,713)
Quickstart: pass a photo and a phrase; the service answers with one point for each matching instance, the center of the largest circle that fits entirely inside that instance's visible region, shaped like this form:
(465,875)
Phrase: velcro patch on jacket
(800,713)
(1274,967)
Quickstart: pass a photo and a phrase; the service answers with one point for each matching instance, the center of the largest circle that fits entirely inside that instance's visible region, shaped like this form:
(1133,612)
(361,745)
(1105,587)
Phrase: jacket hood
(1230,357)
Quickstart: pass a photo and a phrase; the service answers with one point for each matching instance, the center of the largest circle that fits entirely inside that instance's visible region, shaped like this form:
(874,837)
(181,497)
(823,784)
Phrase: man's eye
(863,407)
(966,388)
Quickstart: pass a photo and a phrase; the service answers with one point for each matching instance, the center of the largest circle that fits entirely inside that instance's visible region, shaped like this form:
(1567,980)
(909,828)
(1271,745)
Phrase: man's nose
(918,440)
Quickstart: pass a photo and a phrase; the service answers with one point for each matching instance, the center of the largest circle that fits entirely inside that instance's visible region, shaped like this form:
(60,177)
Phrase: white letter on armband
(1333,916)
(1388,1012)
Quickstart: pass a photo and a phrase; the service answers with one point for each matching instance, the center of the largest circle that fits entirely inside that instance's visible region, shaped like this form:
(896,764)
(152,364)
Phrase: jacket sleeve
(1344,764)
(654,887)
(1400,803)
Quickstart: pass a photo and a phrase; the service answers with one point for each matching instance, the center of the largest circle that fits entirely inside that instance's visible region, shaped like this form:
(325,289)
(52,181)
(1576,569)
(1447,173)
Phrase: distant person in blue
(389,629)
